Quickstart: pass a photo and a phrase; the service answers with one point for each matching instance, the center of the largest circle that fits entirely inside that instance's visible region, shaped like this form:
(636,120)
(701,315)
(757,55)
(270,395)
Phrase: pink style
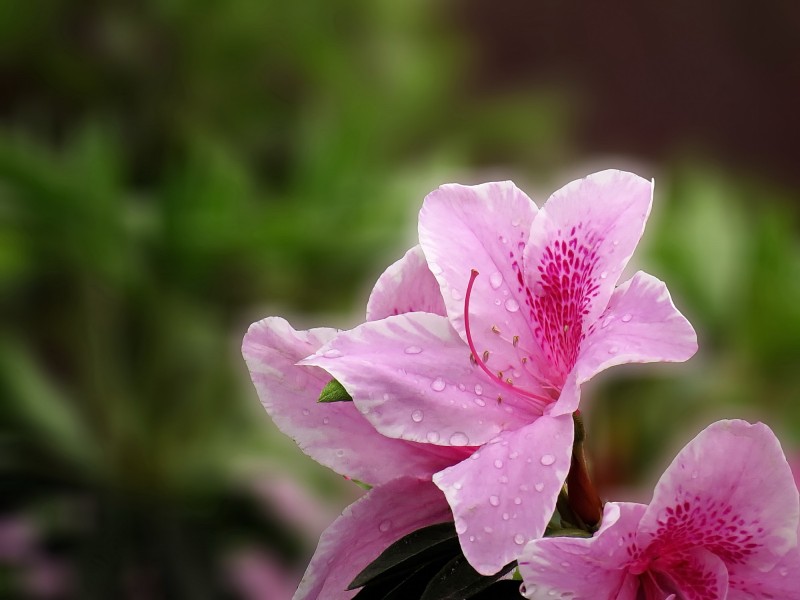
(723,524)
(480,338)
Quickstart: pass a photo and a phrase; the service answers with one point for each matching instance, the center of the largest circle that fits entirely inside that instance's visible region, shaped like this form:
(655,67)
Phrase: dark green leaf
(507,589)
(334,392)
(417,548)
(458,580)
(404,585)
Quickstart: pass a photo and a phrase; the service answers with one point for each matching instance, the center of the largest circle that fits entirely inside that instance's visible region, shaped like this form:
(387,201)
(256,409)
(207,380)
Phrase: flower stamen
(476,355)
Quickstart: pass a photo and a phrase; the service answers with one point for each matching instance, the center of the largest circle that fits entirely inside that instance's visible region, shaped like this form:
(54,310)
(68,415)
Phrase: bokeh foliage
(172,170)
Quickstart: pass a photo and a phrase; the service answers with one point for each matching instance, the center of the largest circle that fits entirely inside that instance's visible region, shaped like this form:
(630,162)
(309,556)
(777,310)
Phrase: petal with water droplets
(495,497)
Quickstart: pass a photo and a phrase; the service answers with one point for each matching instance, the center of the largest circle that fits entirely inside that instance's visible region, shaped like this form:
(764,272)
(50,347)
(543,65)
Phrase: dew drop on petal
(497,302)
(506,517)
(326,420)
(519,539)
(539,487)
(459,439)
(604,274)
(607,321)
(513,455)
(385,525)
(495,280)
(457,485)
(488,529)
(503,479)
(438,384)
(626,318)
(417,416)
(462,387)
(502,239)
(498,463)
(306,412)
(512,305)
(480,402)
(413,349)
(517,500)
(494,500)
(461,526)
(432,437)
(613,350)
(547,460)
(332,353)
(340,453)
(435,268)
(478,389)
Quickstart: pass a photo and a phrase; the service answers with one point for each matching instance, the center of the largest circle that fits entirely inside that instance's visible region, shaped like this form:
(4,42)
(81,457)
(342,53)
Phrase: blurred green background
(171,171)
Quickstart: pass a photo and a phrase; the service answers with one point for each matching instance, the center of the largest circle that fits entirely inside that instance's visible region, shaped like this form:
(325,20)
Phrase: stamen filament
(476,355)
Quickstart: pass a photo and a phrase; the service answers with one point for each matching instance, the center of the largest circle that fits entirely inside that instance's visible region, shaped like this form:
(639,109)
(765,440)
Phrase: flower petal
(584,568)
(406,286)
(411,376)
(486,228)
(641,324)
(782,581)
(366,528)
(504,495)
(730,491)
(334,434)
(695,574)
(580,241)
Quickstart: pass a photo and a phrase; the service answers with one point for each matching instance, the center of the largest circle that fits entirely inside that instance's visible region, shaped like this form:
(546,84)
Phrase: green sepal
(334,392)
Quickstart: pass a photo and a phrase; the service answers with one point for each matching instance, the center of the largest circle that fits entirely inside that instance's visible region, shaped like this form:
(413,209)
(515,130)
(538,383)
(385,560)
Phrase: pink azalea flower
(723,523)
(496,367)
(339,437)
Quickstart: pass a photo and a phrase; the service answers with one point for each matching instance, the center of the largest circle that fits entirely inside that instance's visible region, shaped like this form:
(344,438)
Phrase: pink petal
(406,286)
(641,324)
(486,228)
(781,582)
(411,376)
(580,241)
(366,528)
(694,574)
(335,434)
(730,491)
(504,495)
(587,569)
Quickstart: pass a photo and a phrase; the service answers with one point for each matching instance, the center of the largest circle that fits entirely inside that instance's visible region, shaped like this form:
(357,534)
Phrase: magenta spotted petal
(722,524)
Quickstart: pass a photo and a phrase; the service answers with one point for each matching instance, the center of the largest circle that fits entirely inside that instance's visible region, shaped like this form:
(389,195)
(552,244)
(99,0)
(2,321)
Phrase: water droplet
(513,455)
(626,318)
(326,420)
(385,525)
(461,526)
(462,387)
(517,500)
(494,500)
(613,350)
(340,453)
(519,539)
(472,538)
(539,486)
(615,242)
(495,280)
(432,437)
(306,412)
(547,460)
(457,485)
(478,389)
(503,479)
(498,464)
(607,321)
(604,274)
(413,349)
(480,402)
(417,416)
(476,456)
(502,239)
(488,529)
(506,517)
(538,290)
(438,384)
(783,571)
(512,305)
(459,438)
(332,353)
(435,268)
(694,474)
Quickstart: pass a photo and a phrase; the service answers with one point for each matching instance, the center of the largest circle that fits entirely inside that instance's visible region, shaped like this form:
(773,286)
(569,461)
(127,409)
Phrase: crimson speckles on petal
(723,523)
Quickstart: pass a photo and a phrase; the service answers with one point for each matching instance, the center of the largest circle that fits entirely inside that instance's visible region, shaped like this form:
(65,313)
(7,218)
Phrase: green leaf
(418,547)
(508,589)
(458,580)
(334,392)
(404,584)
